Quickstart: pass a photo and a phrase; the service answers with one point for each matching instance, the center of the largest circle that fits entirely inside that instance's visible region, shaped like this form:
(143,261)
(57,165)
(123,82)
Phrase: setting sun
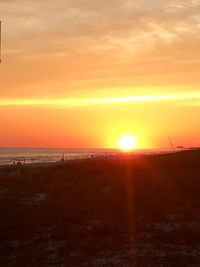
(127,142)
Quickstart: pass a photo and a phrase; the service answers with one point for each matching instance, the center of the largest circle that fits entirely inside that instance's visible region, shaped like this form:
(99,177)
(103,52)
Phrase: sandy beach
(123,211)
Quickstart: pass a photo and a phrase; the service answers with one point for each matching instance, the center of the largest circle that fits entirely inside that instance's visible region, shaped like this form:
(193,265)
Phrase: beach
(110,211)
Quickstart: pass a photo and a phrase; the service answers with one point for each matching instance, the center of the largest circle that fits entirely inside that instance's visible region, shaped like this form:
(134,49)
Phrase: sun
(127,142)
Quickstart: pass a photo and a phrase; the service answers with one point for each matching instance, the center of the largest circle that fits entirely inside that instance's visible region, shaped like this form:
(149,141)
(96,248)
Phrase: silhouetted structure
(170,141)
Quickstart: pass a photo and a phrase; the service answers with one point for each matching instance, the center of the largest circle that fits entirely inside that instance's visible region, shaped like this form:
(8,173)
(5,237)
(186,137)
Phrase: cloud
(57,42)
(94,22)
(183,98)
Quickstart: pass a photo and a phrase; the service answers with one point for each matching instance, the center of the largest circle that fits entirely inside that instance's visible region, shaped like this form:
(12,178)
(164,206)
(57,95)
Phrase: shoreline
(121,155)
(139,152)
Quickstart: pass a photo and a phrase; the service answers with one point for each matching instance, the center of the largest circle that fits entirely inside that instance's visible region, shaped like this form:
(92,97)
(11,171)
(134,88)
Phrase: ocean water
(45,155)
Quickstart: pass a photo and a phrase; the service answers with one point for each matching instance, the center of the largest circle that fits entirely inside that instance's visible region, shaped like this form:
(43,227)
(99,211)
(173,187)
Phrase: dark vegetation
(102,212)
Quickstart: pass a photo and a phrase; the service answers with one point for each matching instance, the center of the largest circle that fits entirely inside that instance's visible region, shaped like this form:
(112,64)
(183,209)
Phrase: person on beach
(63,158)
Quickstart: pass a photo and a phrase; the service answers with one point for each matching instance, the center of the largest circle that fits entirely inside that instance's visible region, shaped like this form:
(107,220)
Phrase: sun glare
(127,142)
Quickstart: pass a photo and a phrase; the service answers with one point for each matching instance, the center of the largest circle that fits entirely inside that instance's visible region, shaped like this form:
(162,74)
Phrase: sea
(46,155)
(10,156)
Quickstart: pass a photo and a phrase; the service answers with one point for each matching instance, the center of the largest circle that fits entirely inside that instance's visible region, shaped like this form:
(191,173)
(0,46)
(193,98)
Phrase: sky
(82,73)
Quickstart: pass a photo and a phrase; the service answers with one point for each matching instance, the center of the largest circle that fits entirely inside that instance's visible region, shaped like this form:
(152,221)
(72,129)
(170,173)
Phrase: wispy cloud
(59,41)
(79,102)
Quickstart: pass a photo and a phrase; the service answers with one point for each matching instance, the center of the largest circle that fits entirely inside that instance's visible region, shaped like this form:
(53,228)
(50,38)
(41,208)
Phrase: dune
(121,211)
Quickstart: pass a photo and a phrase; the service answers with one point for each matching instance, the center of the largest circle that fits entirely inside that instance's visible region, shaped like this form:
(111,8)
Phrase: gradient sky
(81,73)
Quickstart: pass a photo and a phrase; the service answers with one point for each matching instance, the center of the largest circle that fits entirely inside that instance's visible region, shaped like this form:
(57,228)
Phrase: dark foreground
(102,212)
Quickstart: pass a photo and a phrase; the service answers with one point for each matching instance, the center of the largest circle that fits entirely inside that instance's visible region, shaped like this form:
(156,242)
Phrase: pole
(170,141)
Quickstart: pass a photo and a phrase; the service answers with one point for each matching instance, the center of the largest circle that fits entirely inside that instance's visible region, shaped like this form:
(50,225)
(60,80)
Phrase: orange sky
(81,73)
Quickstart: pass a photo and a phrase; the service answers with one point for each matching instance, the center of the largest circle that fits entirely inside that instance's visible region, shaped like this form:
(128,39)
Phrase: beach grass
(120,211)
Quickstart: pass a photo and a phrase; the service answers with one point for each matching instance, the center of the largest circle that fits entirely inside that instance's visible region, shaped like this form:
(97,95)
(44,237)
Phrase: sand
(122,211)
